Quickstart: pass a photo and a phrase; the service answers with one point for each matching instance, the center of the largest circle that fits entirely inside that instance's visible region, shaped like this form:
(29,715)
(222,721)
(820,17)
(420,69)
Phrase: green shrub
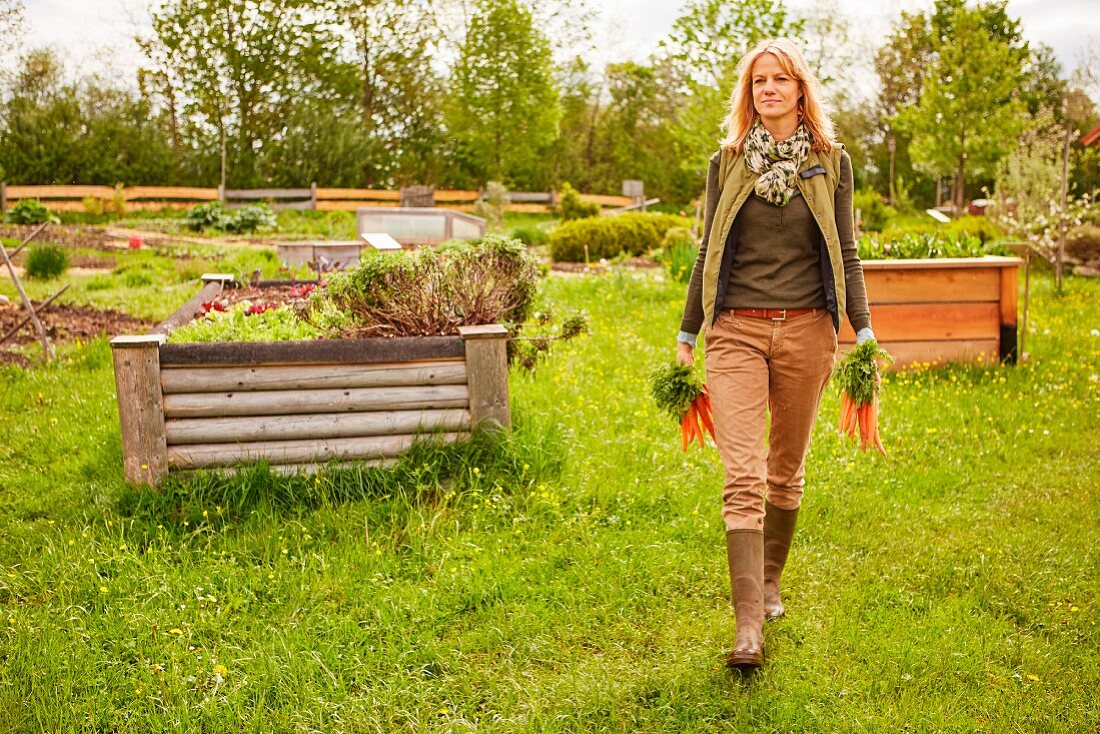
(46,260)
(570,205)
(586,240)
(205,216)
(255,218)
(531,235)
(492,280)
(30,211)
(873,209)
(678,253)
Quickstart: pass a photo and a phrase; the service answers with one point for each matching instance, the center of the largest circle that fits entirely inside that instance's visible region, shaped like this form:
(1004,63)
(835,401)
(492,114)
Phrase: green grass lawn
(574,578)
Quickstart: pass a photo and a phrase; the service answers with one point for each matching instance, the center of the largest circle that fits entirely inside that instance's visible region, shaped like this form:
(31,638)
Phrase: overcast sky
(97,35)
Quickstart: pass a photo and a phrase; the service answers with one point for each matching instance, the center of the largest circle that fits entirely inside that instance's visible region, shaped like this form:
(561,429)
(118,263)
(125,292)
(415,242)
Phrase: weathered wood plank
(907,353)
(310,377)
(191,193)
(926,285)
(931,321)
(940,263)
(360,351)
(140,407)
(290,402)
(59,192)
(456,195)
(351,206)
(304,469)
(316,426)
(251,194)
(372,194)
(607,200)
(189,310)
(487,372)
(297,452)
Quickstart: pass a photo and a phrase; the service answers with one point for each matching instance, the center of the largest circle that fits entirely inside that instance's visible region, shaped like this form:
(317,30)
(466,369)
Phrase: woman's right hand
(685,354)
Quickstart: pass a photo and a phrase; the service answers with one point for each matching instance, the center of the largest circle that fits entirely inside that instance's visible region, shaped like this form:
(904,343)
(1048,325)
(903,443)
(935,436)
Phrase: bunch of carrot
(680,392)
(858,375)
(699,416)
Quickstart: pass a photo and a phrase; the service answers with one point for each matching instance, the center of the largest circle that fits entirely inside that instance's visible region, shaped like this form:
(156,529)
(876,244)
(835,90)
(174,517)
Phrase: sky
(97,35)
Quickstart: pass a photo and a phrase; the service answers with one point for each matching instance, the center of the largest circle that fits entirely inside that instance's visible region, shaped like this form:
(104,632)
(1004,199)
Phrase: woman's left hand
(685,354)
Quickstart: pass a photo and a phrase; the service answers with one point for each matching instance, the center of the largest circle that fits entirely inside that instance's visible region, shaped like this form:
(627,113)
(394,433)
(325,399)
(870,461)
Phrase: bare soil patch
(64,323)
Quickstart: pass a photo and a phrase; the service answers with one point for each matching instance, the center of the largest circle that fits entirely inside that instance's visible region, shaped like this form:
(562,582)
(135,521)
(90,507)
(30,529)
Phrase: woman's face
(775,93)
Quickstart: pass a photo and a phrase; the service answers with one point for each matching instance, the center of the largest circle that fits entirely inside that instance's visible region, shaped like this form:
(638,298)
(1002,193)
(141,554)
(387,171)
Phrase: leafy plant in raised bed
(30,211)
(427,292)
(45,261)
(245,321)
(918,246)
(430,292)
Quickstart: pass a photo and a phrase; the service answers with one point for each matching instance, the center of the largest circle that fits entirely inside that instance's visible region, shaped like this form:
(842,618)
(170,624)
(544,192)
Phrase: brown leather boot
(745,551)
(778,531)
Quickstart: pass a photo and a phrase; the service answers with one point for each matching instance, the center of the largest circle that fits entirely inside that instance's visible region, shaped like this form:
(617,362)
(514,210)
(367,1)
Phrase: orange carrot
(874,429)
(690,425)
(846,408)
(684,434)
(864,429)
(706,414)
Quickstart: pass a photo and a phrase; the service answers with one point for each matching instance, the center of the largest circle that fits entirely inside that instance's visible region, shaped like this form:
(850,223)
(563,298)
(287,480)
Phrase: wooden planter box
(942,310)
(299,404)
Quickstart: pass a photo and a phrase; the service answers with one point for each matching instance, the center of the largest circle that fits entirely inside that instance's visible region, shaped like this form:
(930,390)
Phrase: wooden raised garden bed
(942,310)
(299,404)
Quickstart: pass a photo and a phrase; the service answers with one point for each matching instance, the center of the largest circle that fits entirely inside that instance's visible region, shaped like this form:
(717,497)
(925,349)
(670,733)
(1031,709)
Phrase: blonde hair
(743,113)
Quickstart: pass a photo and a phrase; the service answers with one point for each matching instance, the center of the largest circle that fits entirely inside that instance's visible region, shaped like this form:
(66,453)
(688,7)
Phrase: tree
(389,50)
(970,110)
(242,67)
(503,112)
(698,63)
(86,132)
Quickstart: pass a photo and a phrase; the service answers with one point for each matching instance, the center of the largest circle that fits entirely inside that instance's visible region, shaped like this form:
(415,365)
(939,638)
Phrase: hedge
(611,236)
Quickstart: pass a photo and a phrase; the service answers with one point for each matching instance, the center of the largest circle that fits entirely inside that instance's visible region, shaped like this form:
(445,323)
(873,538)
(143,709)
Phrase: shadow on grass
(423,474)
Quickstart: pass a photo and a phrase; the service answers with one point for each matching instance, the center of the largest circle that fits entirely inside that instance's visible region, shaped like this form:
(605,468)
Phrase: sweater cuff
(687,338)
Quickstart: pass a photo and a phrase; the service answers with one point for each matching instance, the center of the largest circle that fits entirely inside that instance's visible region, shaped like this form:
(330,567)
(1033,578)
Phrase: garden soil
(63,323)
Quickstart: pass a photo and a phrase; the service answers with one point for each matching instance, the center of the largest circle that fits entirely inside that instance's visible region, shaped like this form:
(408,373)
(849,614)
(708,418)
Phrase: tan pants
(757,364)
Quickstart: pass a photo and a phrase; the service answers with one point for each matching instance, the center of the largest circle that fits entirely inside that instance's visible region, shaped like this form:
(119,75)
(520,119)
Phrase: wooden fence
(313,198)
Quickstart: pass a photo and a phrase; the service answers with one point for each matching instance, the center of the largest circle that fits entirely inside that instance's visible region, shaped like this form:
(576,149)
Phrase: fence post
(487,376)
(3,197)
(140,407)
(221,193)
(313,195)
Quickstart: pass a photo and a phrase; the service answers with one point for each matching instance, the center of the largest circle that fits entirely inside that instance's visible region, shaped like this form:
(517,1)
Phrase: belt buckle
(780,318)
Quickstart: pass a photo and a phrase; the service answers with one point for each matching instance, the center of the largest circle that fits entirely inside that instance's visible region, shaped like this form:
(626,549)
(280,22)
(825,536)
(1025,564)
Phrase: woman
(776,272)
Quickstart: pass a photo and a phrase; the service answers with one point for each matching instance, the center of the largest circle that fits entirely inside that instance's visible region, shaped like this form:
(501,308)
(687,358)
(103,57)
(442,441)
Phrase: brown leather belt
(775,314)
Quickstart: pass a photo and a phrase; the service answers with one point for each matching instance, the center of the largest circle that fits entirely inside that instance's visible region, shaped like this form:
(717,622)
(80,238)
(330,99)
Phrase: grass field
(572,578)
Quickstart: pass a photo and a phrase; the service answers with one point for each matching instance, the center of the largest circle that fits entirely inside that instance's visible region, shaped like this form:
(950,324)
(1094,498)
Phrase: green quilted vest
(737,183)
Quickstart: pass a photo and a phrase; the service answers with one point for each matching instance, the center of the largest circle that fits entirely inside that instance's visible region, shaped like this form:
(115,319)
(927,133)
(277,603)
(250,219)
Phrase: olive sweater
(776,260)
